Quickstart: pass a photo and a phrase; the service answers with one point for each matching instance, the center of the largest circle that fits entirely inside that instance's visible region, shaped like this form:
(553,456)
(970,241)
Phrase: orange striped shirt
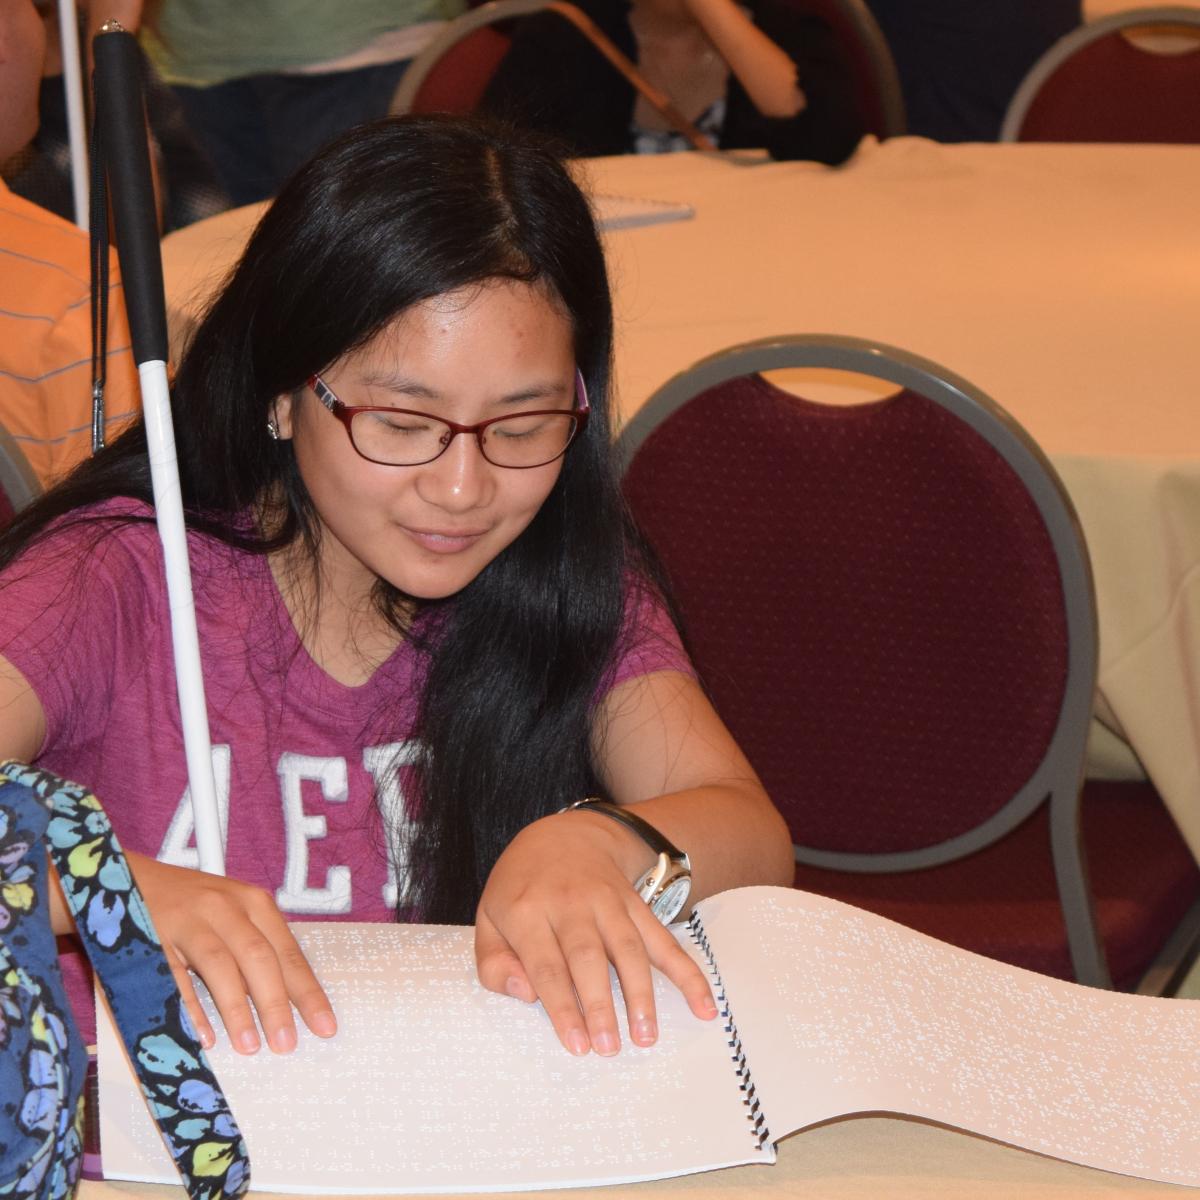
(45,340)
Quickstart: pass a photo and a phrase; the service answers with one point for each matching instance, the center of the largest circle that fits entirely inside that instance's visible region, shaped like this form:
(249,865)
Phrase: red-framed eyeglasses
(403,437)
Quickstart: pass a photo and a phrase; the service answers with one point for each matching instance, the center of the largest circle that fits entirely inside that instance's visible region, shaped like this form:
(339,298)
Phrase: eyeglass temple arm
(581,394)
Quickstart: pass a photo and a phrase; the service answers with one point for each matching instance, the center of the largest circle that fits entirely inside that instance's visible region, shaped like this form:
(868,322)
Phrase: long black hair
(392,214)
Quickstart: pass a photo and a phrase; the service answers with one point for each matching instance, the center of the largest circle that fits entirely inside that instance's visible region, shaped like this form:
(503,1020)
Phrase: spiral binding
(754,1113)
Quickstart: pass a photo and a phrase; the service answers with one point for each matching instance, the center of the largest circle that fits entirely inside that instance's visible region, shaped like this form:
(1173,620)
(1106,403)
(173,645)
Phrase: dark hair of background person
(392,214)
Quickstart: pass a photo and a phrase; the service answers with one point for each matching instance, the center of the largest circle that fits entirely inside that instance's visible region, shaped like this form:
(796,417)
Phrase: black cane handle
(120,113)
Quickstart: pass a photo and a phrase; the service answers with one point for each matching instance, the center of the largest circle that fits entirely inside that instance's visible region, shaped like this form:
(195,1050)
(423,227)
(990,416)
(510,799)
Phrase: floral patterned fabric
(42,1059)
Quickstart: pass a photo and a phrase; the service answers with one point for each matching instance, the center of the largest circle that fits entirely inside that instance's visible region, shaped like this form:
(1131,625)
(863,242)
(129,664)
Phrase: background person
(45,290)
(186,181)
(265,85)
(767,75)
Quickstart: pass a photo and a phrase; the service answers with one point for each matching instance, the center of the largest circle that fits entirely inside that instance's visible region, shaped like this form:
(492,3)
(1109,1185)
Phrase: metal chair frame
(17,480)
(1067,47)
(1060,773)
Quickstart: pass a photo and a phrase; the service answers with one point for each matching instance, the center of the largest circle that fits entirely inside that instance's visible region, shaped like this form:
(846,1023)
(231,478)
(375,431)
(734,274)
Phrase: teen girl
(425,625)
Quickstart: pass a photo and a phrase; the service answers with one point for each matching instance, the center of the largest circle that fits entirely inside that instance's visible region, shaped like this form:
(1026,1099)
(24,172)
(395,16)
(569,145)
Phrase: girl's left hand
(558,908)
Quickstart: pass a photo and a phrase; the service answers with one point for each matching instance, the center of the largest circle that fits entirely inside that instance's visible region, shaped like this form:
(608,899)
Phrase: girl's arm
(559,906)
(761,66)
(232,935)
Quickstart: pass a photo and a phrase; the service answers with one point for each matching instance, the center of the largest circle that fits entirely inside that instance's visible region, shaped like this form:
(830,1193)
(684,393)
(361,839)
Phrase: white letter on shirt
(178,845)
(295,895)
(384,763)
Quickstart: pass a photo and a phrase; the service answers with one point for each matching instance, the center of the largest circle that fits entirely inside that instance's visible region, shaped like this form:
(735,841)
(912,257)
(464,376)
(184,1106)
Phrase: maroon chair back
(1114,90)
(872,599)
(457,81)
(18,484)
(893,609)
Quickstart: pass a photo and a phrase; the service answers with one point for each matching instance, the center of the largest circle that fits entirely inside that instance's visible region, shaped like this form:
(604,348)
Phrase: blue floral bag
(42,1057)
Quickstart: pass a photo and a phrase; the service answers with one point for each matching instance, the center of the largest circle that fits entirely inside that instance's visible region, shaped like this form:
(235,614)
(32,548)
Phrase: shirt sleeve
(648,642)
(62,395)
(45,340)
(75,608)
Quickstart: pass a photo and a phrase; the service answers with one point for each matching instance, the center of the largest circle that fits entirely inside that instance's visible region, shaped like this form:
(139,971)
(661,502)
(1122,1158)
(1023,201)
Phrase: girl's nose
(460,478)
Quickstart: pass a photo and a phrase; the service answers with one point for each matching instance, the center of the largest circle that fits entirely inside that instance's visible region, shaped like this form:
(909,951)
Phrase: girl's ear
(281,415)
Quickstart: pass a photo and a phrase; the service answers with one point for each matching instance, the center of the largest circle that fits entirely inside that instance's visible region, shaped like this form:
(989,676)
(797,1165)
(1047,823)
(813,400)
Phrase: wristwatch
(666,886)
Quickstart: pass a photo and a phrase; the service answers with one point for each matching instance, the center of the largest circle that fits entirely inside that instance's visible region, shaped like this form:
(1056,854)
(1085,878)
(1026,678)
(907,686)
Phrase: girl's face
(484,351)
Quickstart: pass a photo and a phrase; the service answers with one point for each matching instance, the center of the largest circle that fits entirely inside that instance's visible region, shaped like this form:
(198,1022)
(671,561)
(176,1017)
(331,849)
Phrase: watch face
(671,899)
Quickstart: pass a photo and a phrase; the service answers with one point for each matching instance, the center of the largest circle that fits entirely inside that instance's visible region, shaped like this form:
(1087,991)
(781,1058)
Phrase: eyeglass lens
(406,439)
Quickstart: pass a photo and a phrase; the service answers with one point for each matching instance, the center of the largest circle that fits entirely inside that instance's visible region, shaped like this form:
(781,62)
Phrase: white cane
(119,112)
(68,36)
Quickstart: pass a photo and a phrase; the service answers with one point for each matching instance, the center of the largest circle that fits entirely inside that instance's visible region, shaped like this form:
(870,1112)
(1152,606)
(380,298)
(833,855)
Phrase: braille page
(841,1011)
(434,1084)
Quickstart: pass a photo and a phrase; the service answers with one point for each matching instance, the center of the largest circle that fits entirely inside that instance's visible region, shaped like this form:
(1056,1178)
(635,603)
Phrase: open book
(433,1084)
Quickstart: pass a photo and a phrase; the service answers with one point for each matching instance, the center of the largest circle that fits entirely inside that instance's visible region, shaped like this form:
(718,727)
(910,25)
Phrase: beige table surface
(1063,280)
(1093,10)
(859,1158)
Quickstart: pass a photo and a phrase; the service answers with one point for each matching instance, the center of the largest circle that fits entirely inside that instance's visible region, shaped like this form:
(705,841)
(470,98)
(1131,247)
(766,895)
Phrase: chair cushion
(460,77)
(847,580)
(1112,91)
(1002,901)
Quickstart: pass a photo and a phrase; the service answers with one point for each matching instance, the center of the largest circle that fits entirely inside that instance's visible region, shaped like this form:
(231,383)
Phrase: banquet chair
(452,73)
(867,53)
(18,484)
(891,606)
(1098,85)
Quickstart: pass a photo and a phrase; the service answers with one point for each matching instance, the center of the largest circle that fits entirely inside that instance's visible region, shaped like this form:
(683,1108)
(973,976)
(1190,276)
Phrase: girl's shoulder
(649,640)
(86,539)
(110,544)
(123,523)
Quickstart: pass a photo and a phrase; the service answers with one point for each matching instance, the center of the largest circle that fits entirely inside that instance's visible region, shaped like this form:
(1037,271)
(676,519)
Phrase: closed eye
(399,423)
(523,427)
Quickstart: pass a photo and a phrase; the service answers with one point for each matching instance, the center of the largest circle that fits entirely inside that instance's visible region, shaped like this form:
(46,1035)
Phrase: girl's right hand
(234,937)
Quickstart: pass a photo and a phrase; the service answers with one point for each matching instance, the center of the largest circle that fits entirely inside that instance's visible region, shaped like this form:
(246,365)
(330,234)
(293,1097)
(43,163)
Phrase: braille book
(434,1084)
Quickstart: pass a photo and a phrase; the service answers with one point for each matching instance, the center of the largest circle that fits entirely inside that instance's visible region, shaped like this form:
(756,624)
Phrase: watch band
(651,836)
(665,887)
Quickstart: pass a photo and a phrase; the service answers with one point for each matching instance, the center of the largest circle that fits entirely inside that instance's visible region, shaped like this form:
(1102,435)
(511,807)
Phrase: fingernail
(207,1039)
(644,1031)
(577,1042)
(514,987)
(606,1042)
(282,1041)
(323,1024)
(709,1007)
(248,1041)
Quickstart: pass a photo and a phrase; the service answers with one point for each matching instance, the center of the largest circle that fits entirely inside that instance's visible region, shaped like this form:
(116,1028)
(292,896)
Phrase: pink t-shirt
(309,772)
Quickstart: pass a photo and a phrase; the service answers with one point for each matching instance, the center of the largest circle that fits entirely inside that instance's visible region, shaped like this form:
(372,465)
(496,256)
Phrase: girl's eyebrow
(404,385)
(401,384)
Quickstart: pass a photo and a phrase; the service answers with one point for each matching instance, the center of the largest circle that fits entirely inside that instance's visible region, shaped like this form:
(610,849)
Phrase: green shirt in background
(203,42)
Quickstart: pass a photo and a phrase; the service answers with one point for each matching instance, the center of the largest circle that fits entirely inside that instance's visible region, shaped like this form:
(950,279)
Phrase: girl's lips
(444,542)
